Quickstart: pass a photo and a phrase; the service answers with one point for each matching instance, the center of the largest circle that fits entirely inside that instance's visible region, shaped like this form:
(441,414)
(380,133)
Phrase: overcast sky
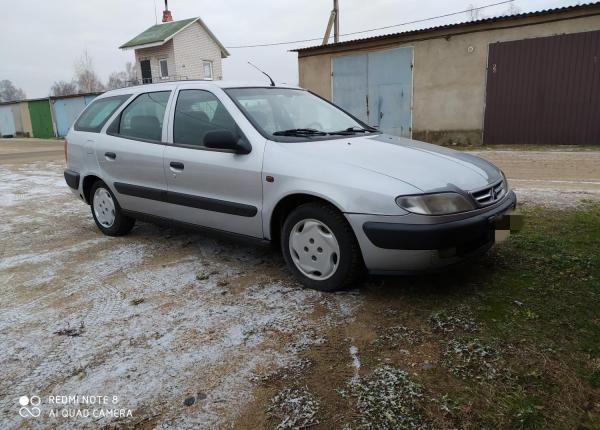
(40,40)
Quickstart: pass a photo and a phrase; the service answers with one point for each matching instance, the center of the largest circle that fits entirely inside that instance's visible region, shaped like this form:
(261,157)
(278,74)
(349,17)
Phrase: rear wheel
(320,248)
(107,213)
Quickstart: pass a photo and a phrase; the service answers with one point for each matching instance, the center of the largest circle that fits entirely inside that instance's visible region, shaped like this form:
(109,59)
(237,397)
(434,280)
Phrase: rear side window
(96,114)
(198,112)
(143,118)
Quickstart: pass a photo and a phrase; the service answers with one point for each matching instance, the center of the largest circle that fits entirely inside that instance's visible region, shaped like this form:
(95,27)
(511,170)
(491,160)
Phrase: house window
(208,70)
(164,68)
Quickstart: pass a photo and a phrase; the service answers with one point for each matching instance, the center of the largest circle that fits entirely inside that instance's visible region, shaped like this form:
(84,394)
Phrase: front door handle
(110,155)
(176,165)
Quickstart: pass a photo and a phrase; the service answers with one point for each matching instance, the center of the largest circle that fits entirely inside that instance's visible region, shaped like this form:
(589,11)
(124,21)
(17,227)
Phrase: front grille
(490,194)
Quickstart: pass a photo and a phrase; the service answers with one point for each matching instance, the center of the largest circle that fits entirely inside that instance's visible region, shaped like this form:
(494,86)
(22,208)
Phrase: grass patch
(510,341)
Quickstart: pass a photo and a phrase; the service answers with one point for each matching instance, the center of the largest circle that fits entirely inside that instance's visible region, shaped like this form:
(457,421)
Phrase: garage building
(532,78)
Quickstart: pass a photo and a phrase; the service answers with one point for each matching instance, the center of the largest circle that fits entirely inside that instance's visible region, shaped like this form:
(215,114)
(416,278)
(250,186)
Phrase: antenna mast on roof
(264,73)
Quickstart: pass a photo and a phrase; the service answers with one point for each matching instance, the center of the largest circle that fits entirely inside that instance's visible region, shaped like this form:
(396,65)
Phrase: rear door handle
(176,165)
(110,155)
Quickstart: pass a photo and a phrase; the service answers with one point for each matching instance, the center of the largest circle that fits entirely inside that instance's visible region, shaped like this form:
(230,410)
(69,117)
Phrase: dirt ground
(184,329)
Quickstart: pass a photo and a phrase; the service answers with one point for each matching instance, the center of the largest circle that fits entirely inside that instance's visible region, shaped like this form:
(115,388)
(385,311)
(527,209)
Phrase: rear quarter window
(96,114)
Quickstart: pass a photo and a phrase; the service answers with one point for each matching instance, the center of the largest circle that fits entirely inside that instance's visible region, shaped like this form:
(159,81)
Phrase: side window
(96,114)
(143,118)
(198,112)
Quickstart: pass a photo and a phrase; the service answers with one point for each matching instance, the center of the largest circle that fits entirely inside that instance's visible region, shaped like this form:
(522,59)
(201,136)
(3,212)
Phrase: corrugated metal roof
(458,25)
(158,33)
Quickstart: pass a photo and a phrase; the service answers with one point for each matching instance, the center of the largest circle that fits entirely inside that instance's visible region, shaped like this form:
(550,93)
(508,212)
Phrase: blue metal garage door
(376,87)
(7,123)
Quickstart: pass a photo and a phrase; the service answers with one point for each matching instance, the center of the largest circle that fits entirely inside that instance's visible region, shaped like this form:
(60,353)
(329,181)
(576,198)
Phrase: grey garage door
(544,91)
(376,87)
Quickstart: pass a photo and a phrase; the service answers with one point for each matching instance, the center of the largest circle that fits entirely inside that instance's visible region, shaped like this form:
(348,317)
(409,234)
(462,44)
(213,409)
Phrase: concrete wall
(193,46)
(154,55)
(449,73)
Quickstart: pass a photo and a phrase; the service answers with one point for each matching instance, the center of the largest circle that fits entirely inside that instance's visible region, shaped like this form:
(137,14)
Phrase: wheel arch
(87,184)
(286,205)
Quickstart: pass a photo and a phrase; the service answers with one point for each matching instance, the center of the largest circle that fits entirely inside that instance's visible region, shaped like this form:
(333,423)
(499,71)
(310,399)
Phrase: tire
(320,248)
(105,207)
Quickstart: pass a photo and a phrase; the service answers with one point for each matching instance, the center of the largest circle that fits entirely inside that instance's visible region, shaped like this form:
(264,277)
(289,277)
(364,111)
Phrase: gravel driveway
(178,326)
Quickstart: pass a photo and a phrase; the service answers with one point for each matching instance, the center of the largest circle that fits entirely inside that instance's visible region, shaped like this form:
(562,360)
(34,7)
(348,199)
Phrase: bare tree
(123,78)
(10,93)
(131,71)
(63,88)
(116,80)
(85,76)
(513,9)
(473,13)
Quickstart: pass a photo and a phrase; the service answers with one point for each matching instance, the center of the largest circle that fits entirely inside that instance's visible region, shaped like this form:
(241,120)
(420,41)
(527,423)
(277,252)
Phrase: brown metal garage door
(544,91)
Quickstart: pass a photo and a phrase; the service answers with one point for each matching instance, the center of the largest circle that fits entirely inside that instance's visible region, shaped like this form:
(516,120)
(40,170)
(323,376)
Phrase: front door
(146,71)
(376,87)
(207,187)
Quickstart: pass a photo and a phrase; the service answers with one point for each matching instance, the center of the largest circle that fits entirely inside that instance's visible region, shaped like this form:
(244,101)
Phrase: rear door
(130,154)
(208,187)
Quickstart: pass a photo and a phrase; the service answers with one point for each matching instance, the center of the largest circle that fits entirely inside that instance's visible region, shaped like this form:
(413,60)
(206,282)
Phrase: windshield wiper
(302,132)
(353,130)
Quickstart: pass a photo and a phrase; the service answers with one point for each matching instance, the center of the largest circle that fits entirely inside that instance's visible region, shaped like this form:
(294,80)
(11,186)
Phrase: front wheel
(107,213)
(320,248)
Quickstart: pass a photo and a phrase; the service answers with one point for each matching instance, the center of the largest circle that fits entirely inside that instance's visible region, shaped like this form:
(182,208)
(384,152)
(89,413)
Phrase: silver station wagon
(280,164)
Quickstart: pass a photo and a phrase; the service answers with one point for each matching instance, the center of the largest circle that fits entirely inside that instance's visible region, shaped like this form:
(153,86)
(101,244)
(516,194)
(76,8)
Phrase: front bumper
(415,243)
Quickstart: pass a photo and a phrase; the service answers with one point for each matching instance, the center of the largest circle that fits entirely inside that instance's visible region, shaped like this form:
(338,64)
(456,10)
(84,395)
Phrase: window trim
(160,73)
(98,128)
(116,122)
(242,135)
(212,74)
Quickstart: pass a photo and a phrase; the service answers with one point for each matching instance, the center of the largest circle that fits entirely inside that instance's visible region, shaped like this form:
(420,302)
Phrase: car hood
(427,167)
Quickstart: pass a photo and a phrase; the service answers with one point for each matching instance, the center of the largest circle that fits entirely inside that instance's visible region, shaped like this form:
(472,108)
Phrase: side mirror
(225,139)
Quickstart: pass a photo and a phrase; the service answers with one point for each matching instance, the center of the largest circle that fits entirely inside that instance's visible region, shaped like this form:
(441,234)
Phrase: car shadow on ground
(463,278)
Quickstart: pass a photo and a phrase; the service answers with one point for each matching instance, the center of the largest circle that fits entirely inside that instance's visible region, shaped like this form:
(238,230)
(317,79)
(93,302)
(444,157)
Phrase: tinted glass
(95,115)
(143,118)
(198,112)
(278,109)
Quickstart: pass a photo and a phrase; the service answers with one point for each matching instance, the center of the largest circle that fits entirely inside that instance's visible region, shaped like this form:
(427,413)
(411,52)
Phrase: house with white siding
(177,50)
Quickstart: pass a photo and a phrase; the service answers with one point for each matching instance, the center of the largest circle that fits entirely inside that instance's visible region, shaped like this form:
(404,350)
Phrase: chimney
(167,17)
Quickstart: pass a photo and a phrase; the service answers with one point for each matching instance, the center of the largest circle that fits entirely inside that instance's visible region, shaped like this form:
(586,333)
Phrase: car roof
(164,86)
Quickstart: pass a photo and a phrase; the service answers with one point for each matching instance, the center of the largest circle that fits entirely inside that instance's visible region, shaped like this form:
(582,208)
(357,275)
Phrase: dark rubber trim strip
(142,192)
(435,236)
(72,179)
(198,202)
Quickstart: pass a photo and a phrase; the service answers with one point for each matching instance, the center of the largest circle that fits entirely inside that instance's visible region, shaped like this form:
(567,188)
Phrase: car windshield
(286,112)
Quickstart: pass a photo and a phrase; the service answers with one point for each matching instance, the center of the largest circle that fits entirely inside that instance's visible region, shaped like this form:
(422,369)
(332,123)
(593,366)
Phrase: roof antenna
(264,73)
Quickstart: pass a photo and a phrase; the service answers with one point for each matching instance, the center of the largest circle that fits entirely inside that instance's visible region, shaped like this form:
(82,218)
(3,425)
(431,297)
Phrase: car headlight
(435,204)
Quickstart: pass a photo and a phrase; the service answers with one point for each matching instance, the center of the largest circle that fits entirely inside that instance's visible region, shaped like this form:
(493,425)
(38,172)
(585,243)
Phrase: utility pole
(336,27)
(334,21)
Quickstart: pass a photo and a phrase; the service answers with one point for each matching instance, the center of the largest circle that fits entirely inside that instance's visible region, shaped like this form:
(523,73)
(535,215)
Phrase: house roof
(460,25)
(159,34)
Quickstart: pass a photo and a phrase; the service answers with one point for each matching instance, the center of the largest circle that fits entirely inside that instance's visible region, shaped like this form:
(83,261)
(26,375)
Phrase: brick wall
(193,46)
(154,55)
